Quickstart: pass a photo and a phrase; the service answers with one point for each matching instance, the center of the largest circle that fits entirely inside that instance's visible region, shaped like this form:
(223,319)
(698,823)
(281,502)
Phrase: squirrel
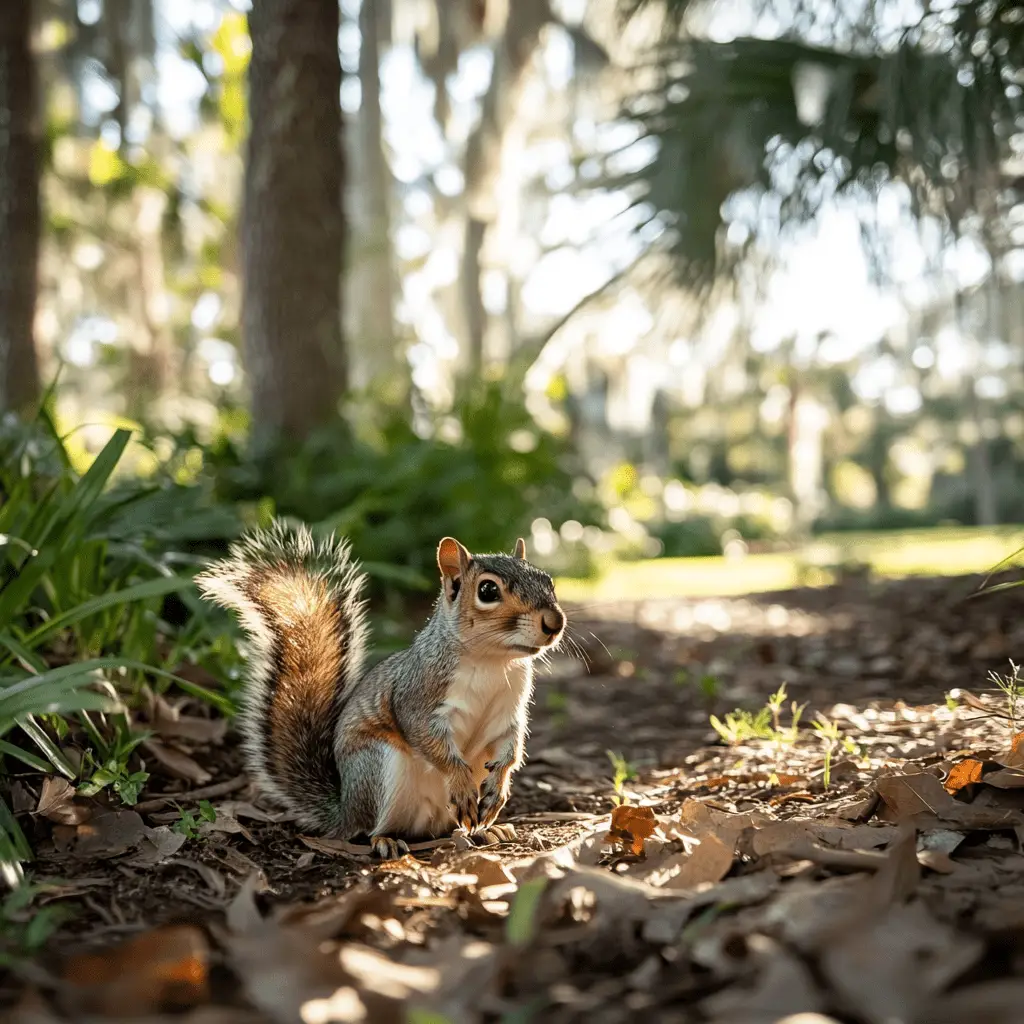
(425,741)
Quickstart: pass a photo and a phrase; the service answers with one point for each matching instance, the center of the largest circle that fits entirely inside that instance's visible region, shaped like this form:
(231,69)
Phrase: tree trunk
(293,229)
(371,272)
(979,459)
(19,210)
(513,52)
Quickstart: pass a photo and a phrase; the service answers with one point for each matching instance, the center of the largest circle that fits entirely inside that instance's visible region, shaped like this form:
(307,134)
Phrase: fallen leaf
(57,802)
(162,969)
(631,825)
(889,968)
(963,773)
(177,764)
(777,835)
(109,834)
(784,986)
(1014,757)
(487,868)
(710,861)
(159,845)
(994,1002)
(168,720)
(920,797)
(1005,778)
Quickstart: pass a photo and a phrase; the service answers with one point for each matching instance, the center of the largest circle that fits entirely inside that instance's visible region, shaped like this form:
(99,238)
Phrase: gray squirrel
(424,742)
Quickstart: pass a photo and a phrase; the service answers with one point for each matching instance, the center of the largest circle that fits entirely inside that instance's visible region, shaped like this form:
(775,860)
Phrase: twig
(851,860)
(193,795)
(559,816)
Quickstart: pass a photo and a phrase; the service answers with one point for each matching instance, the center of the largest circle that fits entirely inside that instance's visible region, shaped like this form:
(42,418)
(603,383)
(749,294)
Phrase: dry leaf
(109,834)
(991,1002)
(710,861)
(1014,757)
(963,773)
(631,825)
(784,986)
(921,797)
(57,802)
(177,764)
(888,969)
(162,969)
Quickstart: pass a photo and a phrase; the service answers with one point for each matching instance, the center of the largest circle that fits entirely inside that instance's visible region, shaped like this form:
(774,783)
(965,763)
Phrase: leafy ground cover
(734,810)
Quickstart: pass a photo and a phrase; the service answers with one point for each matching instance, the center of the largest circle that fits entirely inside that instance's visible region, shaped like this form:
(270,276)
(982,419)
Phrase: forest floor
(740,882)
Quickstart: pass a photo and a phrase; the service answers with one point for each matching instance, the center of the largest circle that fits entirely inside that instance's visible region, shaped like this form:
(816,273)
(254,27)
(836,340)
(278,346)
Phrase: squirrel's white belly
(482,703)
(419,804)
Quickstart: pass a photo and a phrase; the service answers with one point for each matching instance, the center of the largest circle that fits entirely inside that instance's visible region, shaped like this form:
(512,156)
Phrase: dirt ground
(868,869)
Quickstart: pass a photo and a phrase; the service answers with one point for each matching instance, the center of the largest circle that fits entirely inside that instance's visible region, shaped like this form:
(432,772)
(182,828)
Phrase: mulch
(864,869)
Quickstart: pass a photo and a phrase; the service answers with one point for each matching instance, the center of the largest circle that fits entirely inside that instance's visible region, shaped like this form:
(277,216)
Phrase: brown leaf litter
(733,886)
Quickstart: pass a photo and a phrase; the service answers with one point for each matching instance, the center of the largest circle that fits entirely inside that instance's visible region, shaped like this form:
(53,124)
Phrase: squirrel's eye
(488,592)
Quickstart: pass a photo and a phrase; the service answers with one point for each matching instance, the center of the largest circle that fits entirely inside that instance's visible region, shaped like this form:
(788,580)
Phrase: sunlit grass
(943,551)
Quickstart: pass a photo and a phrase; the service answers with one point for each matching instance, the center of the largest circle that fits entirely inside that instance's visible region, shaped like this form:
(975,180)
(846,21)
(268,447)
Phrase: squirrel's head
(504,607)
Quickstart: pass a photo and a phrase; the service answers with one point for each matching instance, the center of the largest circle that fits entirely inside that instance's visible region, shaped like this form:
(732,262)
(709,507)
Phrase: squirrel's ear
(520,551)
(452,558)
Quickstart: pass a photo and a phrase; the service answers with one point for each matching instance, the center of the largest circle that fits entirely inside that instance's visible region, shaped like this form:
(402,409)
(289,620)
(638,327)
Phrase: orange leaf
(963,773)
(1015,757)
(632,825)
(161,968)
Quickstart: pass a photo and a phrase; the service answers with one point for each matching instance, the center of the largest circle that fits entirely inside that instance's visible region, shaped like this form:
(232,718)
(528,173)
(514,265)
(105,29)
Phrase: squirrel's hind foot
(494,834)
(386,848)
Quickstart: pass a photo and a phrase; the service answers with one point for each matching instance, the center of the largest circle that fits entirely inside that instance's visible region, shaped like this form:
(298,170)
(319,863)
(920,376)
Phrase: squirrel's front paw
(465,799)
(493,797)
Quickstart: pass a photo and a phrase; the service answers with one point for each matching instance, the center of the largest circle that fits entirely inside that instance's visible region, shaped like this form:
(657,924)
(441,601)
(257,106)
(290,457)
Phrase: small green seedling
(189,825)
(624,772)
(1012,687)
(828,733)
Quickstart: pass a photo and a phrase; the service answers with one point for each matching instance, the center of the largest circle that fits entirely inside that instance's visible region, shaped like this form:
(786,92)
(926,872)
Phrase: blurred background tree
(634,277)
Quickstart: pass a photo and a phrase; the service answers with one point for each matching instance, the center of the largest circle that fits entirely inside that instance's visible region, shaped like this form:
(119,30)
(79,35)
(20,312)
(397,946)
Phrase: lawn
(943,551)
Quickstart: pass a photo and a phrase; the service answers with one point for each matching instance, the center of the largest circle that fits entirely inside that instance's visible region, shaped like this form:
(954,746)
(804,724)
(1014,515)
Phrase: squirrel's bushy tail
(301,604)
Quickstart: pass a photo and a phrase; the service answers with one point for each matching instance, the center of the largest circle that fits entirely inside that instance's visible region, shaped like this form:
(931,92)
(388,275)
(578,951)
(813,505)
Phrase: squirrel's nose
(552,621)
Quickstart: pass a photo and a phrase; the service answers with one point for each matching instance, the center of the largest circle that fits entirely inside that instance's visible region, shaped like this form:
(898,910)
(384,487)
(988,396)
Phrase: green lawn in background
(943,551)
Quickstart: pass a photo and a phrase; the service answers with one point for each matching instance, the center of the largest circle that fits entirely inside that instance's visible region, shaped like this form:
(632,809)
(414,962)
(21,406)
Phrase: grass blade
(127,595)
(13,750)
(38,735)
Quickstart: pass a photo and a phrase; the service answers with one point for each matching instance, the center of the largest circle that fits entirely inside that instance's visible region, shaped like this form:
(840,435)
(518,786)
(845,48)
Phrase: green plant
(828,733)
(24,928)
(189,825)
(86,573)
(484,473)
(1012,687)
(741,726)
(623,772)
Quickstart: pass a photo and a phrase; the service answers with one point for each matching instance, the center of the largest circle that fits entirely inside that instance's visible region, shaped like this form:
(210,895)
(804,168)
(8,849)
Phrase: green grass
(943,551)
(86,566)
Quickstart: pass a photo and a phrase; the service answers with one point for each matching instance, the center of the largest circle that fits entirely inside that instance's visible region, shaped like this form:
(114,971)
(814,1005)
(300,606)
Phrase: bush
(395,499)
(85,570)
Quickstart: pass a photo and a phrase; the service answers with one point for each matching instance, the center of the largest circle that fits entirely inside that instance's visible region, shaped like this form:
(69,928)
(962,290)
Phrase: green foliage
(623,773)
(88,572)
(741,726)
(189,825)
(24,928)
(1011,685)
(396,497)
(932,111)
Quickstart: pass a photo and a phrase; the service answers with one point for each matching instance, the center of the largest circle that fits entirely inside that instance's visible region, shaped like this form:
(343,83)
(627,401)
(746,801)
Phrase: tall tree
(373,352)
(293,228)
(19,209)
